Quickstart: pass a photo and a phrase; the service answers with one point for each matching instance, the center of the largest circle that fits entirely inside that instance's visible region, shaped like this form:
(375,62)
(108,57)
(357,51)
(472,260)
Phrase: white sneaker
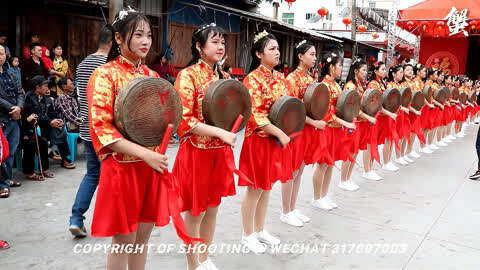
(347,185)
(434,147)
(414,154)
(375,174)
(329,201)
(370,176)
(442,143)
(301,216)
(322,204)
(426,150)
(390,167)
(291,219)
(208,264)
(451,137)
(353,184)
(267,238)
(460,135)
(407,159)
(402,161)
(252,243)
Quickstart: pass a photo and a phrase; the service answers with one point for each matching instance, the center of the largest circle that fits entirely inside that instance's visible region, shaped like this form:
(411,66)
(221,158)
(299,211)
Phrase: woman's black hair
(259,46)
(375,67)
(125,26)
(430,72)
(200,35)
(301,48)
(226,67)
(52,54)
(417,68)
(356,65)
(334,58)
(392,70)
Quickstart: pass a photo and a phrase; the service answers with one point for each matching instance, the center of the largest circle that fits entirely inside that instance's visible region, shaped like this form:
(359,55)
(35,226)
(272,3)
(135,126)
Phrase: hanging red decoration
(347,21)
(439,28)
(362,28)
(348,55)
(411,49)
(375,35)
(322,11)
(424,27)
(370,59)
(290,1)
(385,41)
(411,25)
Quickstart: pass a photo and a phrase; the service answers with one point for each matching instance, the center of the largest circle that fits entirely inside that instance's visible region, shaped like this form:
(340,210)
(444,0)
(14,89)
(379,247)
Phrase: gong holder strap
(173,195)
(229,159)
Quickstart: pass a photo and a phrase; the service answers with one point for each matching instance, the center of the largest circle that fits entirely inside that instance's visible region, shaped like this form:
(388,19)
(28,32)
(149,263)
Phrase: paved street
(427,216)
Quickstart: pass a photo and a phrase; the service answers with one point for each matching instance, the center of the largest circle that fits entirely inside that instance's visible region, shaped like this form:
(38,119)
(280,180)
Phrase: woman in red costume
(132,195)
(337,127)
(356,76)
(201,166)
(266,156)
(311,145)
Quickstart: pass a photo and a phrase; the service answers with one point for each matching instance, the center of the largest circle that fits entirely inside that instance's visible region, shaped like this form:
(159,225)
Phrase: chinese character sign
(457,21)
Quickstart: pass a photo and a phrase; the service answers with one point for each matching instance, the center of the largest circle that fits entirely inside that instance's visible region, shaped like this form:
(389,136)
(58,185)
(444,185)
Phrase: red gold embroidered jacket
(419,84)
(297,82)
(192,83)
(335,92)
(374,84)
(394,85)
(102,90)
(265,87)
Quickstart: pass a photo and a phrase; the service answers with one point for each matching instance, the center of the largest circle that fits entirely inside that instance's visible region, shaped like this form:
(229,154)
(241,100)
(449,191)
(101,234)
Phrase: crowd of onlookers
(38,110)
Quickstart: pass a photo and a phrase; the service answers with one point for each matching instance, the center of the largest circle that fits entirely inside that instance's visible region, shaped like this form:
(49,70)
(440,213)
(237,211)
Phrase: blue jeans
(11,131)
(87,187)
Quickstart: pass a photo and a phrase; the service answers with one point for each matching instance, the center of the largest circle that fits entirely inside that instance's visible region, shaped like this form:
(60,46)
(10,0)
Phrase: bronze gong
(317,99)
(288,114)
(372,101)
(224,100)
(405,96)
(348,105)
(143,109)
(418,100)
(391,100)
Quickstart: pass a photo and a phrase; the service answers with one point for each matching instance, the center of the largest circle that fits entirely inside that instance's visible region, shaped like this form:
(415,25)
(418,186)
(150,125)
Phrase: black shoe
(476,176)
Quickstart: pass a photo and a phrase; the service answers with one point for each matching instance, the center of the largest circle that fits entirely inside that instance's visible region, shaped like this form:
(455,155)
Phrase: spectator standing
(90,180)
(33,66)
(15,68)
(31,38)
(60,65)
(11,102)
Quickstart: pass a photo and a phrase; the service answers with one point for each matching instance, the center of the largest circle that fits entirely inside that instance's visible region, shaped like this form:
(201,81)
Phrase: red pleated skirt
(204,177)
(404,127)
(341,145)
(264,162)
(365,134)
(129,193)
(324,139)
(386,129)
(316,145)
(427,117)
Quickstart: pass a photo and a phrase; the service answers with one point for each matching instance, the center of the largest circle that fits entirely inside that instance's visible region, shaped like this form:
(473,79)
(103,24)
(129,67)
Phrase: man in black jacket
(39,109)
(11,102)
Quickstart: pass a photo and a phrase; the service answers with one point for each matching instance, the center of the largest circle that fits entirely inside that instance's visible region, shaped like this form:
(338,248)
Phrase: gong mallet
(166,138)
(38,146)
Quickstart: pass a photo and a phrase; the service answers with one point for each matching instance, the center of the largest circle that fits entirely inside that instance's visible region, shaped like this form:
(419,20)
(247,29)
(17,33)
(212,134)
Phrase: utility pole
(354,28)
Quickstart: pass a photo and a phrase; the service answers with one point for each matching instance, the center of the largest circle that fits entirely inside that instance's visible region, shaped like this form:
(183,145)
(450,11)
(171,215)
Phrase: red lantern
(411,50)
(424,27)
(375,35)
(290,1)
(370,59)
(410,25)
(385,41)
(322,12)
(348,55)
(362,28)
(347,21)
